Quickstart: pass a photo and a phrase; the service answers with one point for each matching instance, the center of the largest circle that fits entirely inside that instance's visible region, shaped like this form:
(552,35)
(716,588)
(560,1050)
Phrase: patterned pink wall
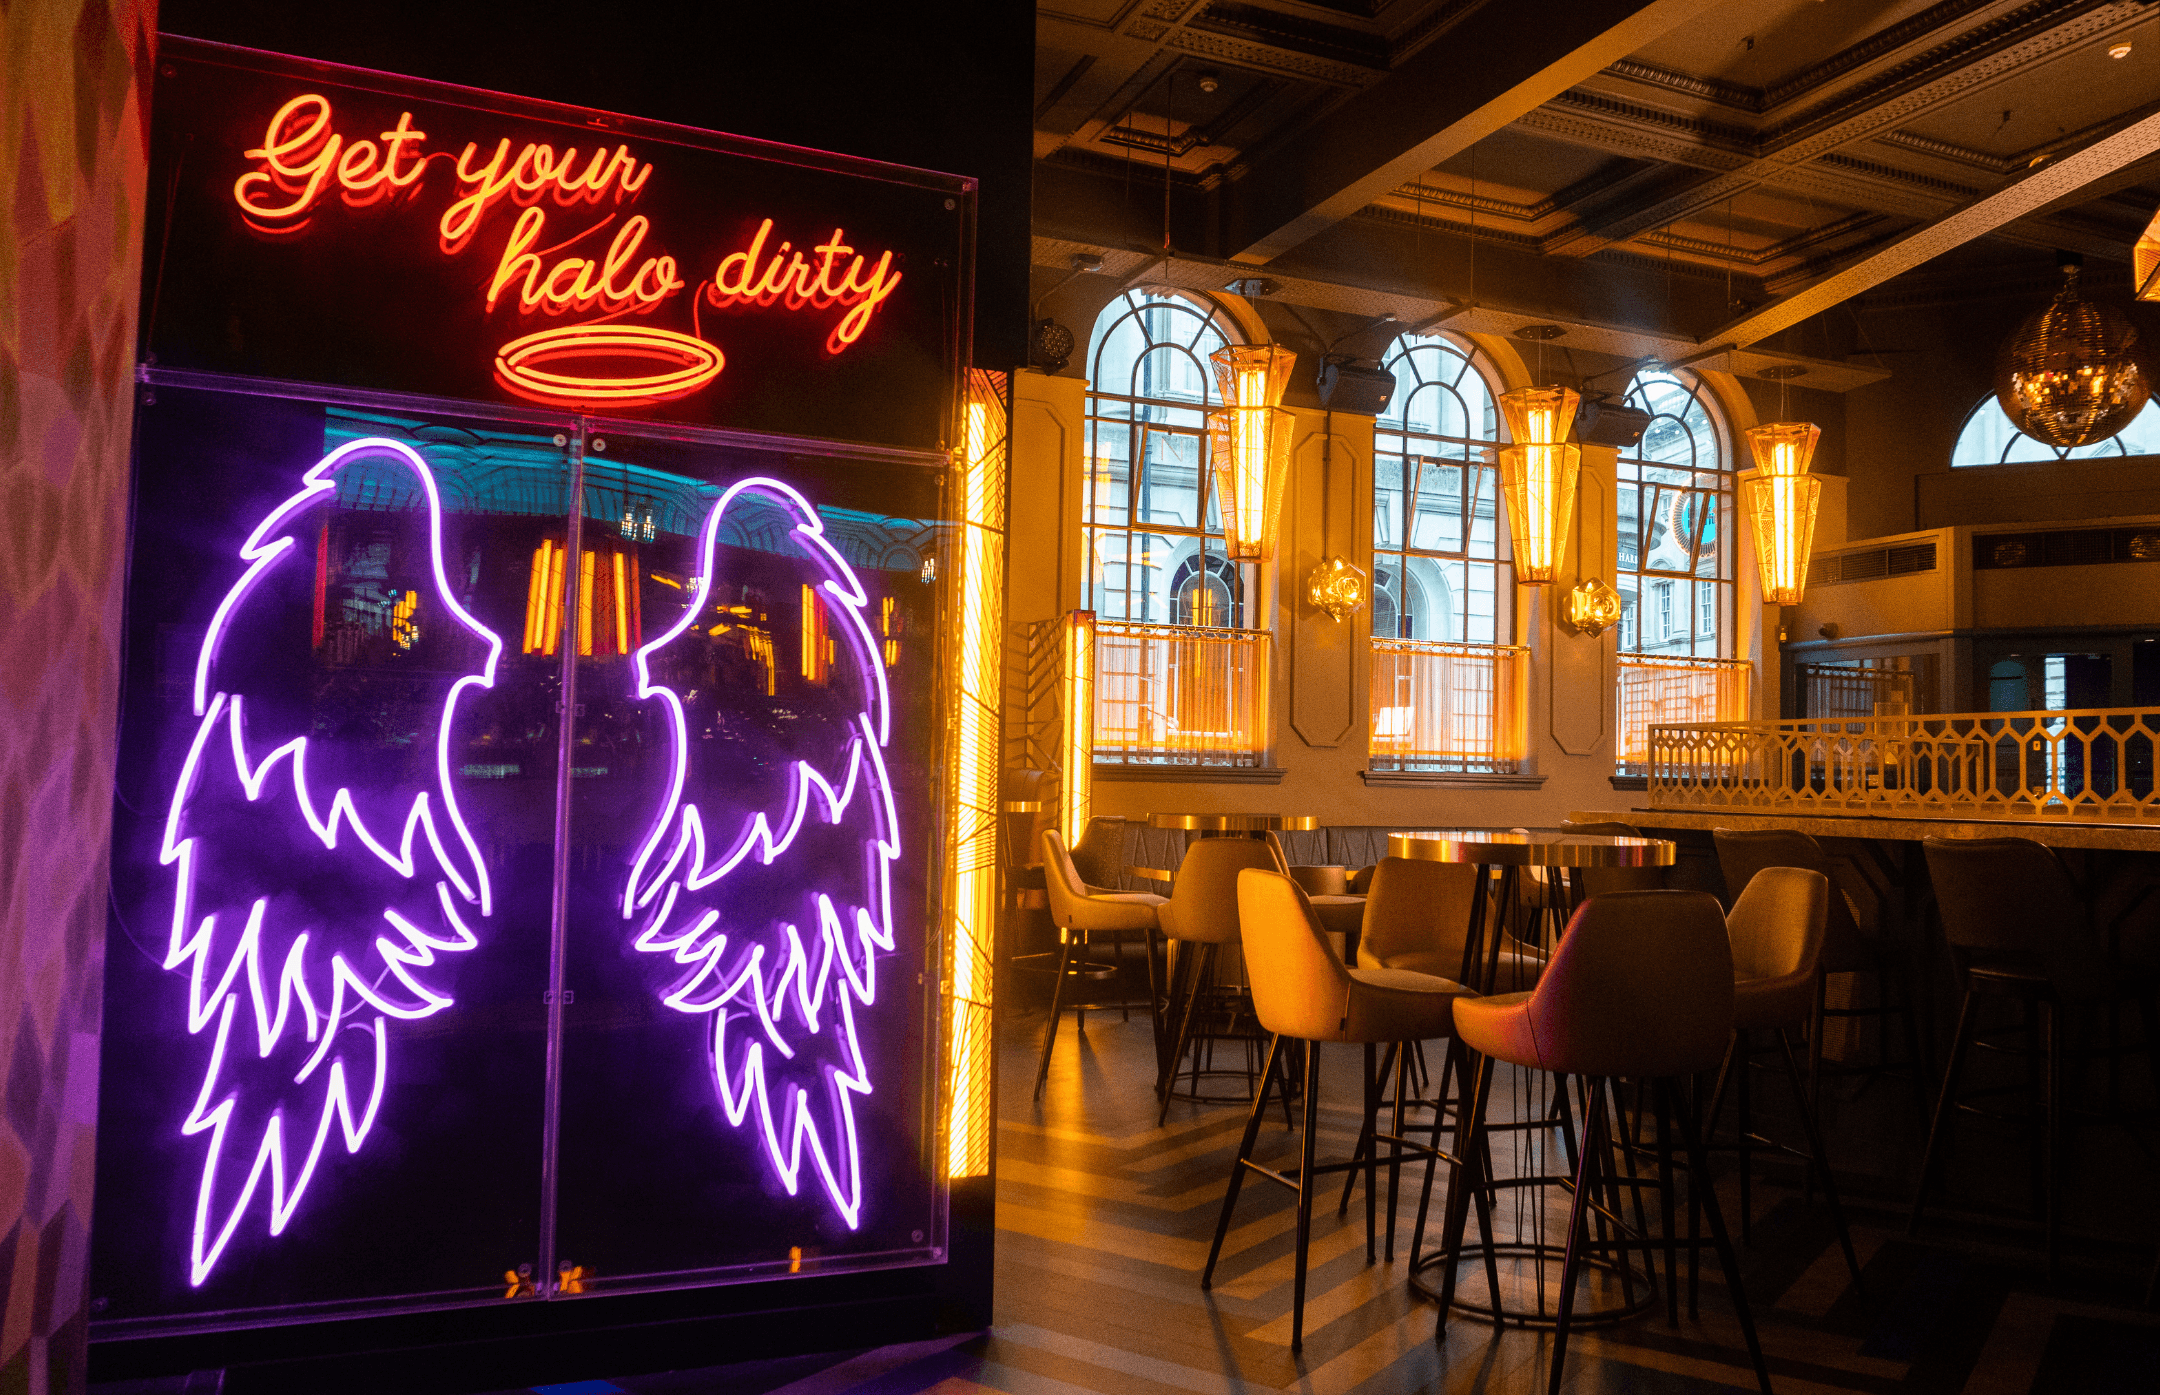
(74,82)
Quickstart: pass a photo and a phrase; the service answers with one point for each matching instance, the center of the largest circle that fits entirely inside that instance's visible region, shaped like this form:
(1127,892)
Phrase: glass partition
(402,1009)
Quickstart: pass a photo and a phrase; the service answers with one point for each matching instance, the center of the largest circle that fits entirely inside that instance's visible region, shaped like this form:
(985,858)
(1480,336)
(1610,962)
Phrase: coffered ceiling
(1770,144)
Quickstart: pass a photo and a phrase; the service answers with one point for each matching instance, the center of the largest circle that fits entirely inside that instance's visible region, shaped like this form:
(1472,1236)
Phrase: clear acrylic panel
(324,1030)
(747,1061)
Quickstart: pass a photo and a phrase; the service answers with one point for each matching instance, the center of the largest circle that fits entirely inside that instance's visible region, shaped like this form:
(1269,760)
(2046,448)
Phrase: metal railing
(1180,694)
(1656,690)
(2085,764)
(1441,706)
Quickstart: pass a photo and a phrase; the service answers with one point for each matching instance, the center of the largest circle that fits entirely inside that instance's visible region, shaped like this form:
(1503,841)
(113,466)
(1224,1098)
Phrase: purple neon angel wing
(766,879)
(315,894)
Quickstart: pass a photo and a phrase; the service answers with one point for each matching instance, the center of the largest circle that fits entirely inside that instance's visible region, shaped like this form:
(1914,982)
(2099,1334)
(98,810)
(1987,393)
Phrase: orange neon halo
(518,362)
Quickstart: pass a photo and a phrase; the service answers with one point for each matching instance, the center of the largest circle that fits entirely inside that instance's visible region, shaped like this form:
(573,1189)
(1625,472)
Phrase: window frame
(1478,503)
(1718,482)
(2148,417)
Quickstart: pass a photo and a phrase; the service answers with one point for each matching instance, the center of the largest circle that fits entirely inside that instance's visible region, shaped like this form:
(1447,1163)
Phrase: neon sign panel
(302,159)
(782,999)
(260,957)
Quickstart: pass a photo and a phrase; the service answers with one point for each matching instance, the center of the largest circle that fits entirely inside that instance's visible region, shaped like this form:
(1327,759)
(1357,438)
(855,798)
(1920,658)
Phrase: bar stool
(1327,889)
(1776,929)
(1302,992)
(1417,917)
(1641,986)
(2018,929)
(1847,947)
(1201,917)
(1079,913)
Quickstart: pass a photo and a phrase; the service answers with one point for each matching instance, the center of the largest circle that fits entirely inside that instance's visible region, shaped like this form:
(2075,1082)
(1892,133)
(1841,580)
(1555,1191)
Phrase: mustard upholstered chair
(1200,917)
(1303,992)
(1079,911)
(1776,930)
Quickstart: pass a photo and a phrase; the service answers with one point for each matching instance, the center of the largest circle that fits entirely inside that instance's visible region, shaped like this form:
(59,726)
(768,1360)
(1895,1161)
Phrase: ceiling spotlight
(1210,80)
(2121,50)
(1251,286)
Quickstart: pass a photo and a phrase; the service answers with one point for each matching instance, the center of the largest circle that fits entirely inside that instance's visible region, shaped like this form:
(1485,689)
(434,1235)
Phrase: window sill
(1191,774)
(1448,779)
(1631,782)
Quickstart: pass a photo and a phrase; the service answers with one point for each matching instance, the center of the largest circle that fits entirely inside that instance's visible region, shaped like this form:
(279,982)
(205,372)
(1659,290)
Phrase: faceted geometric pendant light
(1250,443)
(2070,375)
(1782,500)
(1537,477)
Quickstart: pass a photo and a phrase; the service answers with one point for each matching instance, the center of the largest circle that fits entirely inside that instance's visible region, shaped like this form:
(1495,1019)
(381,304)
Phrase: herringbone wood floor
(1104,1221)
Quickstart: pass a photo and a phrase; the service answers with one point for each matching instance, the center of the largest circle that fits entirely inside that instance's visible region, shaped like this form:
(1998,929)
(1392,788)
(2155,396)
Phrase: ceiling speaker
(1602,423)
(1364,391)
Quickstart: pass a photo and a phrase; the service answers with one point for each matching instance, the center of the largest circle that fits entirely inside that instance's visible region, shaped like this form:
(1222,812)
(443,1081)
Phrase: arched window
(1988,438)
(1153,528)
(1675,562)
(1439,571)
(1180,677)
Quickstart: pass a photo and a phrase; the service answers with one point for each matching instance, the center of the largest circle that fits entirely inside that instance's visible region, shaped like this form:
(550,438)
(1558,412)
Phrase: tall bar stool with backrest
(1302,992)
(1776,928)
(1847,948)
(1080,912)
(1200,918)
(2018,929)
(1640,987)
(1417,917)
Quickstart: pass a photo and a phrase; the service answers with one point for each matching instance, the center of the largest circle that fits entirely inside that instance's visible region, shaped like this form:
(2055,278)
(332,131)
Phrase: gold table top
(1236,823)
(1504,847)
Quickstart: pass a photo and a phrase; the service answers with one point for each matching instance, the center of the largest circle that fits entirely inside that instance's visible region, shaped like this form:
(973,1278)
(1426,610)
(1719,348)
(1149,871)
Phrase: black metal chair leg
(1577,1235)
(1166,1078)
(1728,1258)
(1464,1179)
(1057,1009)
(1744,1063)
(1662,1097)
(1364,1140)
(1819,1157)
(1305,1194)
(1237,1167)
(1451,1065)
(1945,1108)
(2051,1130)
(1372,1148)
(1394,1167)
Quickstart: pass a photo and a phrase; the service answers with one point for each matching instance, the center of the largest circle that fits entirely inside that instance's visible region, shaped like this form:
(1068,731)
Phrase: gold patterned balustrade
(1658,689)
(2094,763)
(1441,705)
(1180,694)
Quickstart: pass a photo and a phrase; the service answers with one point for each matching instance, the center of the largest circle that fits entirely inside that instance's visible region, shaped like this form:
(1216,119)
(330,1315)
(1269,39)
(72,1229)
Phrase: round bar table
(1505,852)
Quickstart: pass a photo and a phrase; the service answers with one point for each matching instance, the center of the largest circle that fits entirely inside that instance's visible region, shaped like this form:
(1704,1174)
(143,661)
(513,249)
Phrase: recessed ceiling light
(2119,51)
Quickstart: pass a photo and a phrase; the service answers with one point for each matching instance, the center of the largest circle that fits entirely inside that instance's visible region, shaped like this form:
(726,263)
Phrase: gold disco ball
(2072,375)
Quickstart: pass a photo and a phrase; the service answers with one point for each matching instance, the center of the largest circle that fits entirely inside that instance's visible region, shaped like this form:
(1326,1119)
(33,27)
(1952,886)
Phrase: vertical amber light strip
(622,604)
(536,596)
(586,562)
(978,625)
(1076,783)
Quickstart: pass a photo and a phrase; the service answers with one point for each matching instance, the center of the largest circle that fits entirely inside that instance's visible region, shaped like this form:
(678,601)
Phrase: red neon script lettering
(301,155)
(798,281)
(578,283)
(535,169)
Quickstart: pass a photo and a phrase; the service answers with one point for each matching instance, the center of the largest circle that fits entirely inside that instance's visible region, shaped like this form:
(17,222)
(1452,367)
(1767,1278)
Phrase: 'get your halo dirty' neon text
(539,269)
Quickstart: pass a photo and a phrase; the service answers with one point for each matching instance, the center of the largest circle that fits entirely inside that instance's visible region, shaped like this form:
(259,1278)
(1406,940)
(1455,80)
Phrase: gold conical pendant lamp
(1782,500)
(1537,478)
(1249,438)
